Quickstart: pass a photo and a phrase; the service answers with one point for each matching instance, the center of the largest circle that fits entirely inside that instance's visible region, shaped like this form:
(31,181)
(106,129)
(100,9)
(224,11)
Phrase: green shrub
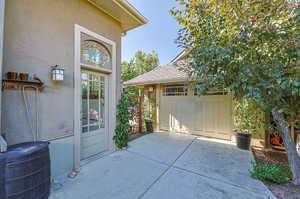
(123,117)
(276,173)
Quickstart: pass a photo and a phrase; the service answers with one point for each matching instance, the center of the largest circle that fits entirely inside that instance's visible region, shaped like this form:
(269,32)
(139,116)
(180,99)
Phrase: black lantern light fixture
(57,73)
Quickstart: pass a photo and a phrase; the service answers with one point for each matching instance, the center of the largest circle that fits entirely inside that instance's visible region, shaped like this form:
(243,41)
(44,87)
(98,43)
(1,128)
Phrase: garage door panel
(176,116)
(164,115)
(205,115)
(221,120)
(186,108)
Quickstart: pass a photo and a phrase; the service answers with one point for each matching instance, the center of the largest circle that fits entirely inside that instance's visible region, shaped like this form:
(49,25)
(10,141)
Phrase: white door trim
(112,79)
(2,15)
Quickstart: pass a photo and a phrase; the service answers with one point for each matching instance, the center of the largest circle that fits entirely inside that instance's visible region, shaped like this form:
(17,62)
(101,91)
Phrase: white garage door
(209,115)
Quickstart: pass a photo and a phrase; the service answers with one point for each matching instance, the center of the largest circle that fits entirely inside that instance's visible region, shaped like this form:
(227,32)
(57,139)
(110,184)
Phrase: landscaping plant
(123,117)
(149,113)
(277,173)
(248,117)
(149,110)
(253,49)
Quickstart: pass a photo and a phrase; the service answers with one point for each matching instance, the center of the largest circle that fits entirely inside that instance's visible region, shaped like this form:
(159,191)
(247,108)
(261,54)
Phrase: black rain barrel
(25,171)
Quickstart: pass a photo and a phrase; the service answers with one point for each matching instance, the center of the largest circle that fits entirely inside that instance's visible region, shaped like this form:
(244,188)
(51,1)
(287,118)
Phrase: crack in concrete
(172,165)
(148,158)
(169,167)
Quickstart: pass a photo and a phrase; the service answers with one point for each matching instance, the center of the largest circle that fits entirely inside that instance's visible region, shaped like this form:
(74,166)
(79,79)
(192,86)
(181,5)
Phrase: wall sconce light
(151,89)
(57,73)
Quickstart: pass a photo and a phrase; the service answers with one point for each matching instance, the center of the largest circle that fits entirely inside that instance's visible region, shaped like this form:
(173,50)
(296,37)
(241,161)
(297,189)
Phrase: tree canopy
(252,48)
(141,62)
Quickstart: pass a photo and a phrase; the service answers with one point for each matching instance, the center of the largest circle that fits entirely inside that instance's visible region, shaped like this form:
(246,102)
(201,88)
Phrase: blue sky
(159,34)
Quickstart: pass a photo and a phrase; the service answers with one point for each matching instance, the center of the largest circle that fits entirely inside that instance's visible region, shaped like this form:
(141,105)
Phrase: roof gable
(161,74)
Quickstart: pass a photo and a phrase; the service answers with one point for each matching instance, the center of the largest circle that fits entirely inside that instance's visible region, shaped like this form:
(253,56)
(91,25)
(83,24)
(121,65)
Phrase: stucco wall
(61,152)
(40,34)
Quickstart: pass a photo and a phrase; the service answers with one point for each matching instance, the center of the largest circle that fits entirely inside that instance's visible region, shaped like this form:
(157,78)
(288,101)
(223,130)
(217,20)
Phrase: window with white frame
(210,92)
(175,91)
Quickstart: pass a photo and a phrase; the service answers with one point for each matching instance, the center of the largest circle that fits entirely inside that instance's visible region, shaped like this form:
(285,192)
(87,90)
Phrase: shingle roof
(161,74)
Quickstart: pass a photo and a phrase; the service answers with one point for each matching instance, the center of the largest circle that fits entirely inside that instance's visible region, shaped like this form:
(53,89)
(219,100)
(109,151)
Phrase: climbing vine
(123,117)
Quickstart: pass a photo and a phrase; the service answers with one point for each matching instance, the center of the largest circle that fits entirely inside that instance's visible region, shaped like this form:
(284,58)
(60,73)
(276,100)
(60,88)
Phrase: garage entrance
(209,115)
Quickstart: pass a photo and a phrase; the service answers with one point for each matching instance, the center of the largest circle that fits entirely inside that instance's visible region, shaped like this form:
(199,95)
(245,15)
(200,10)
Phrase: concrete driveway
(168,166)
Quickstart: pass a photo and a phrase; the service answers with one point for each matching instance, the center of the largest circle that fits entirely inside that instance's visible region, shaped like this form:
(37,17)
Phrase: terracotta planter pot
(24,76)
(243,141)
(12,75)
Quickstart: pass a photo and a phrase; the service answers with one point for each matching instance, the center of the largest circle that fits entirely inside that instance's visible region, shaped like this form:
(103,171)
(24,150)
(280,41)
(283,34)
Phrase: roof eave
(181,55)
(157,82)
(132,11)
(129,9)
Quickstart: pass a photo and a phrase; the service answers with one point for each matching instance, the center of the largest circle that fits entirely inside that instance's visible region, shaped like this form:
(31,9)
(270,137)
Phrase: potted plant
(149,112)
(247,119)
(149,124)
(243,139)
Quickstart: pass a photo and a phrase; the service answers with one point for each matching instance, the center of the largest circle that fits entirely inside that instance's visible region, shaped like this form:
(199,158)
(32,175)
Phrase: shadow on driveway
(167,166)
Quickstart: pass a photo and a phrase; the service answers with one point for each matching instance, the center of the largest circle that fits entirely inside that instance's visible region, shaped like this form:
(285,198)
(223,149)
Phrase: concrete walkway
(168,166)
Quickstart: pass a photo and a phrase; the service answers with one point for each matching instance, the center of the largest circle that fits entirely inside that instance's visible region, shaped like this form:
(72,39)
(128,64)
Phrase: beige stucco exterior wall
(40,34)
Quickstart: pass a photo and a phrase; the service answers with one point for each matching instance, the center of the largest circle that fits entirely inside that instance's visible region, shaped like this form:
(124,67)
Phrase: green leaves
(248,46)
(149,110)
(278,173)
(248,116)
(123,117)
(139,64)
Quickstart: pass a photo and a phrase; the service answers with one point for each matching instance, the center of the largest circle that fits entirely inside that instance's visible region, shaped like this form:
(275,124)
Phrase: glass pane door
(93,107)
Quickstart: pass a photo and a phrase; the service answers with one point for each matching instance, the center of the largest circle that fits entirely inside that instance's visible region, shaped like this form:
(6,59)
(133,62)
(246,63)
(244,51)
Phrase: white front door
(94,138)
(95,92)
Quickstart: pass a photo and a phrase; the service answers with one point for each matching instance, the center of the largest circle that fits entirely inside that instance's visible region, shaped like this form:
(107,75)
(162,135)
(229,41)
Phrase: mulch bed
(281,191)
(134,136)
(270,156)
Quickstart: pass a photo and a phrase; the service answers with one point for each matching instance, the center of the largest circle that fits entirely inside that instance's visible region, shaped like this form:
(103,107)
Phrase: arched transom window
(95,53)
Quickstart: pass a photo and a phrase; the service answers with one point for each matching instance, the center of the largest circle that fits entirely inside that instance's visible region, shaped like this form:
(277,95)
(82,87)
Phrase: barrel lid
(23,149)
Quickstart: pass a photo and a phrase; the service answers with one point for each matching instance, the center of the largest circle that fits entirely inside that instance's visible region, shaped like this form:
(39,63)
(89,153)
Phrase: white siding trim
(2,14)
(112,78)
(157,96)
(96,68)
(77,94)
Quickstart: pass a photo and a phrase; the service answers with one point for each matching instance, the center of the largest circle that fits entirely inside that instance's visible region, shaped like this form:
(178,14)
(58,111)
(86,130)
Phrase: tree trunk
(290,147)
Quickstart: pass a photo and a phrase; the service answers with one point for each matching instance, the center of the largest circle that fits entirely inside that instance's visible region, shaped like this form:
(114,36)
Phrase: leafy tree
(253,49)
(128,70)
(138,65)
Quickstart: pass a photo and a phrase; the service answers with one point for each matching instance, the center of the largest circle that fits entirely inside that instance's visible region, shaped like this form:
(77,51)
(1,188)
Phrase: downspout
(3,144)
